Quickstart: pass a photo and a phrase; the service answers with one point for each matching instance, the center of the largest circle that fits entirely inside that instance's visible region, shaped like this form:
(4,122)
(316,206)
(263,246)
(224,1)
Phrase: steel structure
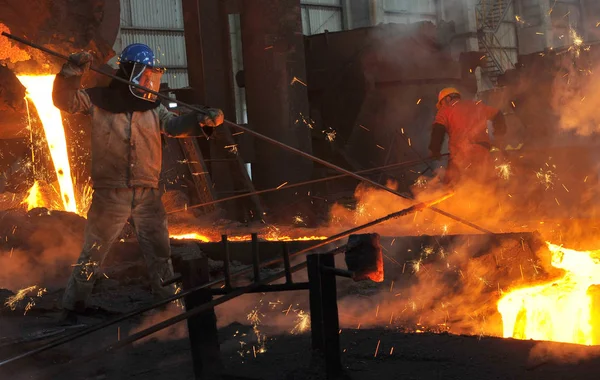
(493,27)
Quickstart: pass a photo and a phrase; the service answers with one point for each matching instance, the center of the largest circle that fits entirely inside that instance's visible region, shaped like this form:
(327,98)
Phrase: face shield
(148,77)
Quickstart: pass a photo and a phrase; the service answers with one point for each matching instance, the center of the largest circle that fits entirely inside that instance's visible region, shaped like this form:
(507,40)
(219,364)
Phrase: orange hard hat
(445,92)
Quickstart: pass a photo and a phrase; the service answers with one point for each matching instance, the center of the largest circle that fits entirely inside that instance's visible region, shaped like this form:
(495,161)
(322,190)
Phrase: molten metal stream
(39,90)
(558,311)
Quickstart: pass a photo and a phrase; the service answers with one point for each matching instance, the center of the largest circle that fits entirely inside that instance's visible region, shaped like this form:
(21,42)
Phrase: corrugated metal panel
(397,18)
(139,17)
(125,12)
(335,3)
(316,19)
(408,11)
(166,14)
(409,6)
(169,47)
(177,78)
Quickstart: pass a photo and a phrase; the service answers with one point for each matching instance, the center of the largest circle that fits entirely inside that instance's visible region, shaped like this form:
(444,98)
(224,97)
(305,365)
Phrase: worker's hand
(79,64)
(212,117)
(435,155)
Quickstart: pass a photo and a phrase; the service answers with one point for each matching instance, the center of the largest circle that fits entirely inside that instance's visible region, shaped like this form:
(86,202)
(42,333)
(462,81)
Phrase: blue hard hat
(138,53)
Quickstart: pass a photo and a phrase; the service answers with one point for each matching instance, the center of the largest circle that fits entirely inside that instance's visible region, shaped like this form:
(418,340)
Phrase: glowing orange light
(39,91)
(560,310)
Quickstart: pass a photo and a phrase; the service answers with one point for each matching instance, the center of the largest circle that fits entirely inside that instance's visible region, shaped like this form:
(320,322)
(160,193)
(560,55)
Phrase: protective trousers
(110,210)
(476,165)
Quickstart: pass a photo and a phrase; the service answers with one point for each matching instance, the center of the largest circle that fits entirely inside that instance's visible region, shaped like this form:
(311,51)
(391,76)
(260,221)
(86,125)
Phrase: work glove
(211,117)
(78,64)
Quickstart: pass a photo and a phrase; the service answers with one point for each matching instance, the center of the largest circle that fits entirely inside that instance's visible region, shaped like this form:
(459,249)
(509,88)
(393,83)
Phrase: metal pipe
(286,263)
(266,288)
(226,262)
(255,257)
(259,136)
(310,182)
(338,271)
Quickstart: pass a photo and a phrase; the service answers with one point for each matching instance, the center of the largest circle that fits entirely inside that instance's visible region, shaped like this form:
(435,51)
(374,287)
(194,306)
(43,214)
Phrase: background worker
(466,123)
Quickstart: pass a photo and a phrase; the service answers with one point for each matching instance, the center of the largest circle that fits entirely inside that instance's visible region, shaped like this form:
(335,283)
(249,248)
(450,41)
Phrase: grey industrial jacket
(126,147)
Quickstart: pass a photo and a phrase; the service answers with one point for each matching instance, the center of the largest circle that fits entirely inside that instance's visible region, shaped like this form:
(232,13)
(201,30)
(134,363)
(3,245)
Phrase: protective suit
(466,123)
(127,124)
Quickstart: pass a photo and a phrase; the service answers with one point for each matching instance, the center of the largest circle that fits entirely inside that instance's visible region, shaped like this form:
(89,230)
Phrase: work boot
(71,317)
(68,318)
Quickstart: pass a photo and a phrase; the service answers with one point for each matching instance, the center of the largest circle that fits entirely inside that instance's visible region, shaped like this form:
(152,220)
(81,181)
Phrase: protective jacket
(126,146)
(465,121)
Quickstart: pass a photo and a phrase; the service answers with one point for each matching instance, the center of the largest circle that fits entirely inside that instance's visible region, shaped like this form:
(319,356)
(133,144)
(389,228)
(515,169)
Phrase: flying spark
(296,80)
(330,134)
(504,171)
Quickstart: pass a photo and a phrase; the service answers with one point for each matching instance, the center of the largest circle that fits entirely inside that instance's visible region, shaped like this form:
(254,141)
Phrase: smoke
(173,332)
(38,250)
(575,89)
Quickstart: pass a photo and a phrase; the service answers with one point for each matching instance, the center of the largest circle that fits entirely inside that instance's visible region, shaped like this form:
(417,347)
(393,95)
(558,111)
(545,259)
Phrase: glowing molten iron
(39,91)
(191,236)
(268,237)
(558,311)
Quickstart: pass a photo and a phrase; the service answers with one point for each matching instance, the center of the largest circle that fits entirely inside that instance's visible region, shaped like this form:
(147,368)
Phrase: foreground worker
(469,145)
(127,124)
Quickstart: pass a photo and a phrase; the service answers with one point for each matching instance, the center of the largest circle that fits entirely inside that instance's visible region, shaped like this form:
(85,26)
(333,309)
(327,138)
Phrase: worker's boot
(71,317)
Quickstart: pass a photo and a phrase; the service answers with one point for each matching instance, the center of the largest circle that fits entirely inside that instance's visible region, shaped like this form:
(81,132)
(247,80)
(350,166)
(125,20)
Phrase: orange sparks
(377,348)
(296,80)
(282,185)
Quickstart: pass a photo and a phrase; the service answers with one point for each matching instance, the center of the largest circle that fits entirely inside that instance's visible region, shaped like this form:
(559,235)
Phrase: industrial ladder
(490,15)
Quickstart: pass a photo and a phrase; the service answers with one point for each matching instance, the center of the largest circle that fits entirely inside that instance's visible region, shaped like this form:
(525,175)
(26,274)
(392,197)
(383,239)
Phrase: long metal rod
(249,288)
(257,135)
(218,282)
(305,183)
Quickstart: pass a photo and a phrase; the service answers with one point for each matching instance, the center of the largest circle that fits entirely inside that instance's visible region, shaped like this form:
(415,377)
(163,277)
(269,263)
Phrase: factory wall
(159,24)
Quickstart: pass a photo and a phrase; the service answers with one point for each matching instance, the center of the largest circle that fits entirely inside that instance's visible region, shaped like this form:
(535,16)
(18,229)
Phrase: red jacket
(465,121)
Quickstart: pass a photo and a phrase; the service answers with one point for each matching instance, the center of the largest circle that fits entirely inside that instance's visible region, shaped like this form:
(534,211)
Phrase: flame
(39,91)
(557,311)
(269,237)
(10,51)
(34,197)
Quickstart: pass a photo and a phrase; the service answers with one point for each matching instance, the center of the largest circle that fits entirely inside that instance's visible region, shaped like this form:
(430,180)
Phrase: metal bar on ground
(78,334)
(286,263)
(338,272)
(255,257)
(226,262)
(265,289)
(257,135)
